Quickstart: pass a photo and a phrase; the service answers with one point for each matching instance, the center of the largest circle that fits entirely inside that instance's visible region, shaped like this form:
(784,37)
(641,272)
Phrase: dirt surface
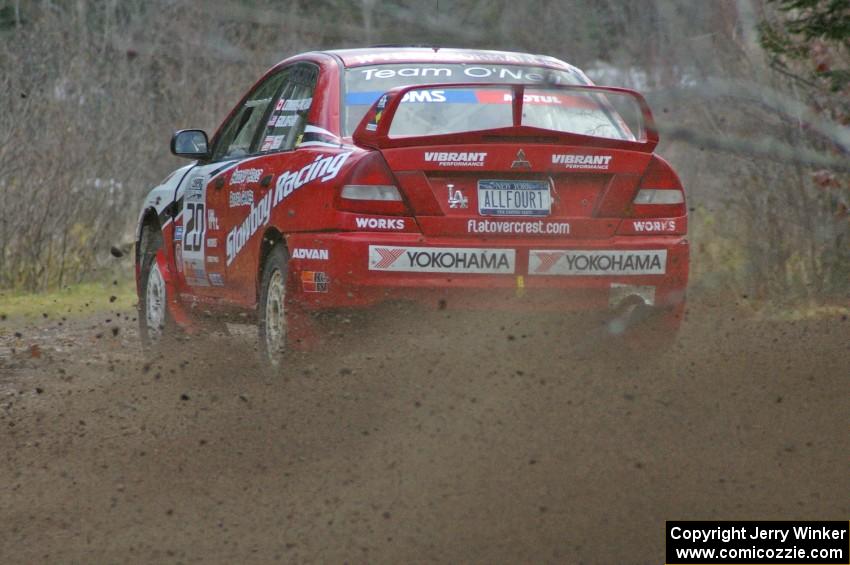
(416,437)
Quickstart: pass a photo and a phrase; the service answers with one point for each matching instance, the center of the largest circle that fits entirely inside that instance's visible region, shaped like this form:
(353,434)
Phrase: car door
(251,185)
(203,211)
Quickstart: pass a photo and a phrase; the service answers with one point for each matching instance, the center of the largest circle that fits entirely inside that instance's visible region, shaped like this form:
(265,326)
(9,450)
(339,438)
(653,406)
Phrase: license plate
(514,198)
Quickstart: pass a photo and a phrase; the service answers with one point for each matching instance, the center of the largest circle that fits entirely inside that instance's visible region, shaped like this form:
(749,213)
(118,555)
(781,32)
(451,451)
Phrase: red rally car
(464,178)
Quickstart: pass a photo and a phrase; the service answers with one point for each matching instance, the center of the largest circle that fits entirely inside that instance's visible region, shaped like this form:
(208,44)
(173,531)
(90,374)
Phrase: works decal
(654,226)
(379,223)
(456,159)
(572,161)
(574,262)
(441,260)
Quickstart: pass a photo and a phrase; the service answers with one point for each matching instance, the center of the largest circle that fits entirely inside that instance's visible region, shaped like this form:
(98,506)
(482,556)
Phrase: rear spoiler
(373,130)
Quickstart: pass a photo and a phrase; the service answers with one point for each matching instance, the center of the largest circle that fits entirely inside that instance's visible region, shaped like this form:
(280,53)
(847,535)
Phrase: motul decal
(534,99)
(441,259)
(575,262)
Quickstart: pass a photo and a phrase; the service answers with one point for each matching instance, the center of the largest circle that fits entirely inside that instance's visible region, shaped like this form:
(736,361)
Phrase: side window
(286,124)
(239,133)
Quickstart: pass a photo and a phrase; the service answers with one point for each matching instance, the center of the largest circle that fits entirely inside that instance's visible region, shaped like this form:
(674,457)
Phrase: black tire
(271,314)
(151,331)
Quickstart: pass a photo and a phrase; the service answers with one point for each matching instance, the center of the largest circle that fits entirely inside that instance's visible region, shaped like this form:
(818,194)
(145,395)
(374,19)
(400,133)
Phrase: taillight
(659,196)
(371,188)
(660,193)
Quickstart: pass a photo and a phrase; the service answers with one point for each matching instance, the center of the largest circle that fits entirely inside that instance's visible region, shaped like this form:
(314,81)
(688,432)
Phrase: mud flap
(302,330)
(175,309)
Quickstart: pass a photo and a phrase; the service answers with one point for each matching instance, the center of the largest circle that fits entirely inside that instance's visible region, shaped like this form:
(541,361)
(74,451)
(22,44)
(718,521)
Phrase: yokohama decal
(387,256)
(574,262)
(441,259)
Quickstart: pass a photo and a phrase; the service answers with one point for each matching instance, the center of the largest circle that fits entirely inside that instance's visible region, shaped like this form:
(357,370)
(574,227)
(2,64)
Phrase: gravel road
(414,437)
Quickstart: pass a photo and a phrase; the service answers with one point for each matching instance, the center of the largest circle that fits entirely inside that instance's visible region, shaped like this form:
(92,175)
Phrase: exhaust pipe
(630,305)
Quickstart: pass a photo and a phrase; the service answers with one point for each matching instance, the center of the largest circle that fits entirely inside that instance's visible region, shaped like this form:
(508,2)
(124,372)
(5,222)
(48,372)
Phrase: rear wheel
(272,328)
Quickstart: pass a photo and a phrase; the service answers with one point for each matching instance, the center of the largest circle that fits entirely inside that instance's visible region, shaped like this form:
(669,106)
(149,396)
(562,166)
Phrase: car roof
(387,55)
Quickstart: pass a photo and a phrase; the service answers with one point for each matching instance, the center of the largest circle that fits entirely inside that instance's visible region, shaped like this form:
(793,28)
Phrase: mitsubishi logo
(520,162)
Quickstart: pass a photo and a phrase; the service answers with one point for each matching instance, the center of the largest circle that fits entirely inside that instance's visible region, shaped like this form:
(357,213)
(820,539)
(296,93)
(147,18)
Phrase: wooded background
(752,98)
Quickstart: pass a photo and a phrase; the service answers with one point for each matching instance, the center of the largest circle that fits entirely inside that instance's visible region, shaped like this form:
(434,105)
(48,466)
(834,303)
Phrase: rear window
(364,85)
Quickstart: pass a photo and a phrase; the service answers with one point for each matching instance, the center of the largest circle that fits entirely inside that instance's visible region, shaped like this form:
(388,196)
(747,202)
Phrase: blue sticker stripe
(365,98)
(450,96)
(461,96)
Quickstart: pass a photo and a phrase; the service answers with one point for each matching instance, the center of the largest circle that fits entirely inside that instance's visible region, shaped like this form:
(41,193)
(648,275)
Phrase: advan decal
(305,253)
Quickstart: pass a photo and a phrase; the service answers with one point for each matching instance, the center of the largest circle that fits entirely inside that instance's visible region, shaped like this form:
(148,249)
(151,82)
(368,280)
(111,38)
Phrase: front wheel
(154,318)
(272,308)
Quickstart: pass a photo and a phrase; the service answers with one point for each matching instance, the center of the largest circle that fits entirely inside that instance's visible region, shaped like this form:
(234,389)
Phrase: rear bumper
(341,270)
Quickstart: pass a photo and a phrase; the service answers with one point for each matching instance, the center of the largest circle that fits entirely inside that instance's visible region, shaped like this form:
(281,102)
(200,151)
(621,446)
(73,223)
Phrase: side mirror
(190,143)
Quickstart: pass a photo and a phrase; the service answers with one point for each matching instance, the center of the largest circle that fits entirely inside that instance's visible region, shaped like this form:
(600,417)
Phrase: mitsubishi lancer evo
(461,178)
